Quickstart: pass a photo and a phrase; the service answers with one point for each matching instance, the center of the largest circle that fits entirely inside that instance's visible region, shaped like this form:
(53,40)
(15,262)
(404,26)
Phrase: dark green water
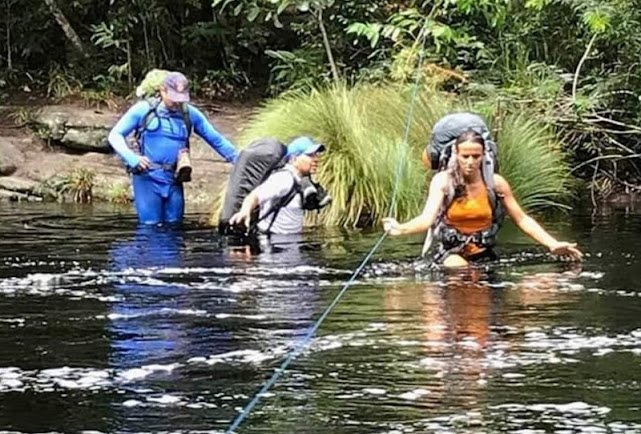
(106,328)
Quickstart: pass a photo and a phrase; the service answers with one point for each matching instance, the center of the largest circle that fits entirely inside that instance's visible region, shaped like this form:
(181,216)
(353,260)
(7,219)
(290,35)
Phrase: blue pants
(158,202)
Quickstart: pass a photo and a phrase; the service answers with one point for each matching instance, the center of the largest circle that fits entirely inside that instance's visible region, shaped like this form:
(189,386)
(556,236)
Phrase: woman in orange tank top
(470,212)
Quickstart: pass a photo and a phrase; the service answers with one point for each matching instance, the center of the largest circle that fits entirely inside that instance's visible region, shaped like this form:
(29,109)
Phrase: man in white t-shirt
(279,197)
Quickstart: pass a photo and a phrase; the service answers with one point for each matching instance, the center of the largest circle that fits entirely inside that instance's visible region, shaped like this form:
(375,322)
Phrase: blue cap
(304,145)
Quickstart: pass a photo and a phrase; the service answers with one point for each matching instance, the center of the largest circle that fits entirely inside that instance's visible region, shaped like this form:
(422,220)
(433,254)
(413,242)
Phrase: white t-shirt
(290,217)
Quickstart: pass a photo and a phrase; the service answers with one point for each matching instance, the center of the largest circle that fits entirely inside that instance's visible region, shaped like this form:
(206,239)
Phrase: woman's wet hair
(470,136)
(458,184)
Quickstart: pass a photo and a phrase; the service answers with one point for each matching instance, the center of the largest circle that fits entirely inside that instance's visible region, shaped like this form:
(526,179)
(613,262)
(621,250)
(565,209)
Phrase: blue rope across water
(303,343)
(408,125)
(310,334)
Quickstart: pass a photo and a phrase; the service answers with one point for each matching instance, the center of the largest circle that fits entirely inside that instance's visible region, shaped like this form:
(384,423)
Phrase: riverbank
(43,146)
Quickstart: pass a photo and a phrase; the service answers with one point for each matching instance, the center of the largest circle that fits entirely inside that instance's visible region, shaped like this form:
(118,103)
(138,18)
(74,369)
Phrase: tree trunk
(328,48)
(144,32)
(130,75)
(61,19)
(9,62)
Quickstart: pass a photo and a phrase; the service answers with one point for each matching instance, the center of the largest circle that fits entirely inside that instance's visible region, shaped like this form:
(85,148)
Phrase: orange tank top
(469,215)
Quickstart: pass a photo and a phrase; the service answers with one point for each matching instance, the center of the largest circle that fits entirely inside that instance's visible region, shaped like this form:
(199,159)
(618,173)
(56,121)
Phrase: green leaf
(282,6)
(441,31)
(253,13)
(277,22)
(224,5)
(537,5)
(598,20)
(374,39)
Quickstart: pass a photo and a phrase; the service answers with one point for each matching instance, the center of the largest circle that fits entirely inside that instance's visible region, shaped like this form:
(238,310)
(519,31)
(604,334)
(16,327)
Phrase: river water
(108,328)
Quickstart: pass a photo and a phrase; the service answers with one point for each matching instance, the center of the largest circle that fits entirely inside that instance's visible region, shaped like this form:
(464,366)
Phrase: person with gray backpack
(468,199)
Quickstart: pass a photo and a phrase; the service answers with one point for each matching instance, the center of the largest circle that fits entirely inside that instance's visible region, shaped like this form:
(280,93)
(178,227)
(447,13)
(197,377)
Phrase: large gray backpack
(448,128)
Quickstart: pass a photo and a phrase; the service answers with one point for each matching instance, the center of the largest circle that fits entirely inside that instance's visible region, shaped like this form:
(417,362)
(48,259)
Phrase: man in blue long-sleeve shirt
(162,135)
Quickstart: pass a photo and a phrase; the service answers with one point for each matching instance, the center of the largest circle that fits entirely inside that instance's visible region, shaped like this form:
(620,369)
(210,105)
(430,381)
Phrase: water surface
(108,328)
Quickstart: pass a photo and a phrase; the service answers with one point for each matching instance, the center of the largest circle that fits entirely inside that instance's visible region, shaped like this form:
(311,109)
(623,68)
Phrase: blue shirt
(164,136)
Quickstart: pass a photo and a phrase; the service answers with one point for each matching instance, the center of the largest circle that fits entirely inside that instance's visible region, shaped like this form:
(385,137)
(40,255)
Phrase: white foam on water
(413,395)
(561,340)
(433,363)
(19,322)
(15,379)
(165,399)
(349,395)
(374,391)
(240,356)
(136,374)
(233,315)
(158,312)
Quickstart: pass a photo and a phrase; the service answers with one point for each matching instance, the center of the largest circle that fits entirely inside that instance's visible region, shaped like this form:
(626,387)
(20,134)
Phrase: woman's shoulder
(442,176)
(500,184)
(440,179)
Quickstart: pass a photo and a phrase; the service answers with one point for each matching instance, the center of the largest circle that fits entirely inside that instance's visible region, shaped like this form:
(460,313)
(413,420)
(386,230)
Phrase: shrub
(80,184)
(118,193)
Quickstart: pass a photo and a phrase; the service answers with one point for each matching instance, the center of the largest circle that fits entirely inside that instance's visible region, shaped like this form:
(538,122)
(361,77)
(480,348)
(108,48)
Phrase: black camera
(315,197)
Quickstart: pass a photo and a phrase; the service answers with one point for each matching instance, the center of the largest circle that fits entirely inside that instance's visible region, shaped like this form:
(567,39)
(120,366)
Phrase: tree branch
(580,65)
(62,20)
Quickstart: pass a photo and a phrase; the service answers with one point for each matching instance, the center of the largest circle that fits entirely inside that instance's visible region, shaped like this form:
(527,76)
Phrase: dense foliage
(572,62)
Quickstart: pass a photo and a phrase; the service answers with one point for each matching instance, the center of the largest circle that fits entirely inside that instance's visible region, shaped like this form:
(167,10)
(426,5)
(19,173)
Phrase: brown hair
(469,136)
(458,184)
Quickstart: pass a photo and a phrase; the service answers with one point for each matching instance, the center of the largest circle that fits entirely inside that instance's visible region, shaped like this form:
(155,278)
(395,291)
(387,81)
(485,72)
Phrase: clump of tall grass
(80,184)
(532,161)
(118,193)
(363,129)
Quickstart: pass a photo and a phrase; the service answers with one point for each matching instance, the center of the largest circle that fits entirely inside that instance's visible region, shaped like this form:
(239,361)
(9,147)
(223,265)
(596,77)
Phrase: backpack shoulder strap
(146,120)
(498,213)
(449,197)
(283,202)
(184,112)
(295,190)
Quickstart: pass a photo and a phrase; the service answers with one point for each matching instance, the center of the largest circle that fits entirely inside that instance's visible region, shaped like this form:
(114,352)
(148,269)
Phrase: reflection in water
(106,329)
(157,325)
(462,339)
(144,328)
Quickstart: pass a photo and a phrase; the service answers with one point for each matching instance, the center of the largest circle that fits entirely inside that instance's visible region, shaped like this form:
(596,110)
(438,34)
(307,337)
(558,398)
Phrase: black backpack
(254,165)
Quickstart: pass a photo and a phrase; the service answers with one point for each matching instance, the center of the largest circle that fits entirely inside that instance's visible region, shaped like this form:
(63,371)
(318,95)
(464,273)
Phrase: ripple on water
(409,362)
